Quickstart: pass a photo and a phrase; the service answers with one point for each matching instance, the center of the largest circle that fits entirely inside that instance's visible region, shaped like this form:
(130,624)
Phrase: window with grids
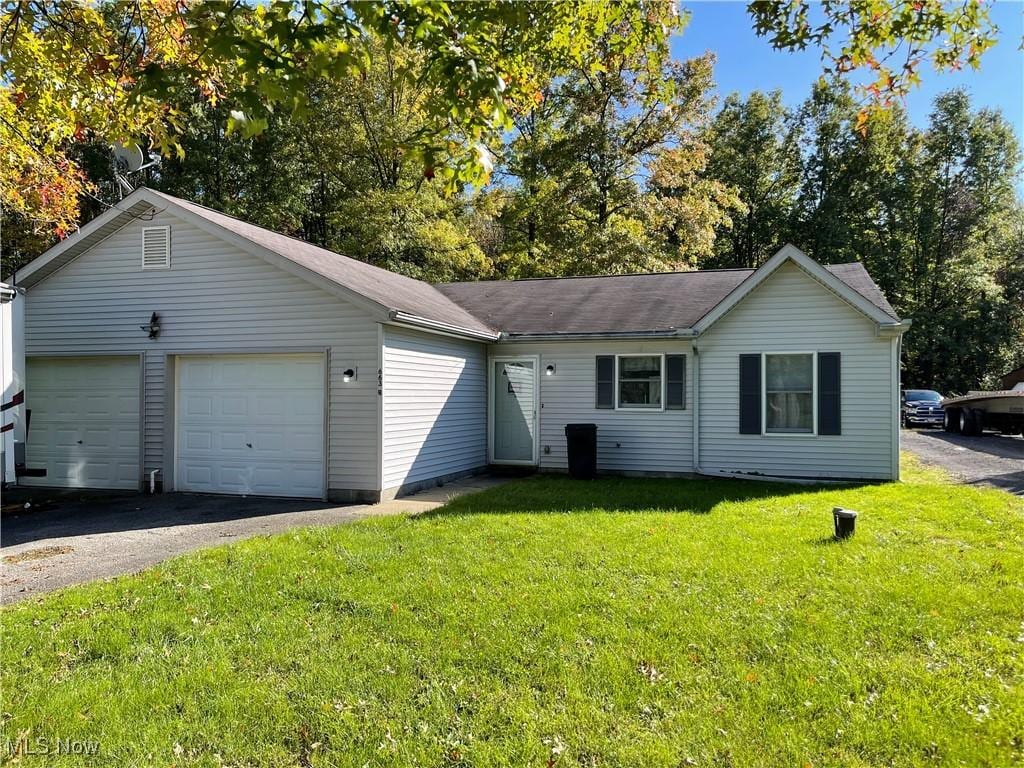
(640,381)
(789,393)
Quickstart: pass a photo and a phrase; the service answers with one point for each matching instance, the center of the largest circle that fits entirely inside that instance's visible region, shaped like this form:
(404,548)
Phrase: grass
(550,622)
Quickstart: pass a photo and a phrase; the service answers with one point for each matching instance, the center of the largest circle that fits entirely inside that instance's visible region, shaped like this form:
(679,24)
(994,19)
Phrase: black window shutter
(605,381)
(675,382)
(830,421)
(750,394)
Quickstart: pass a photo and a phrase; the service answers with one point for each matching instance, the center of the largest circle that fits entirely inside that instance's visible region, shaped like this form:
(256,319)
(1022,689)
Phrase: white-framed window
(640,382)
(156,247)
(789,393)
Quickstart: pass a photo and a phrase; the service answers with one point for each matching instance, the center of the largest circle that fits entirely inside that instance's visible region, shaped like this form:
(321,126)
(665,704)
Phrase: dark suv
(921,407)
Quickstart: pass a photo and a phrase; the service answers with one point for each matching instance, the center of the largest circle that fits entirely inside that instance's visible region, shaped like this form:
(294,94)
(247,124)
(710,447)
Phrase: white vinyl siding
(154,404)
(791,311)
(214,298)
(435,407)
(628,440)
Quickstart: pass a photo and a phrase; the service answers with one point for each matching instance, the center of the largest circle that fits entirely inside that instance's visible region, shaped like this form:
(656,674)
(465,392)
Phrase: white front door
(251,425)
(84,429)
(514,398)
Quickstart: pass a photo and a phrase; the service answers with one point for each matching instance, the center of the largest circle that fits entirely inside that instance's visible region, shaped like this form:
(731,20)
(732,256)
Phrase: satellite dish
(131,156)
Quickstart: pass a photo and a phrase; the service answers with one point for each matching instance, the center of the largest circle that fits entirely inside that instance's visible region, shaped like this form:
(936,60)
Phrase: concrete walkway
(76,538)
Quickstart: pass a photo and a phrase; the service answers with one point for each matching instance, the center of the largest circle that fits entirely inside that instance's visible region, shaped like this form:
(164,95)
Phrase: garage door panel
(211,443)
(197,476)
(85,421)
(234,407)
(272,408)
(254,478)
(307,375)
(195,440)
(269,442)
(305,443)
(248,426)
(302,410)
(79,408)
(196,405)
(66,439)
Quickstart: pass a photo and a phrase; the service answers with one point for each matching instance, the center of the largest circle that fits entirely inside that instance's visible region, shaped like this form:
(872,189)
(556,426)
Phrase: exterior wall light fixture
(153,327)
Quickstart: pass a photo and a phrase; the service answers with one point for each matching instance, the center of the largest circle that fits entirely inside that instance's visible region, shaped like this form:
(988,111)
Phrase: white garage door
(251,424)
(85,421)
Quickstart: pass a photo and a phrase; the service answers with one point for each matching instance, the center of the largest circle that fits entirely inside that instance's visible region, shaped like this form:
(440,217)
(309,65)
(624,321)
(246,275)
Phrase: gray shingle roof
(618,303)
(609,304)
(390,290)
(857,277)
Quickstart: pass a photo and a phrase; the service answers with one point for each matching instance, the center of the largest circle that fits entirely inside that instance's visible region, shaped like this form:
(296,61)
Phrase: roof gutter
(895,328)
(437,326)
(669,333)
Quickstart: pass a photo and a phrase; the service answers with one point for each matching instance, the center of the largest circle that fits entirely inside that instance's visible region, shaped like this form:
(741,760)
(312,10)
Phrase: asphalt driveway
(990,459)
(80,537)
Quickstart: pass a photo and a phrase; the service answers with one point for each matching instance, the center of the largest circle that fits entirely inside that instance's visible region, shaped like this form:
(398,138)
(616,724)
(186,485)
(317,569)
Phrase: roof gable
(851,289)
(386,295)
(666,303)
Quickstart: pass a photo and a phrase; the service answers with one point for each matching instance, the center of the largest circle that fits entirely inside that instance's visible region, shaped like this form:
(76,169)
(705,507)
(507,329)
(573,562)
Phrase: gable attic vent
(156,247)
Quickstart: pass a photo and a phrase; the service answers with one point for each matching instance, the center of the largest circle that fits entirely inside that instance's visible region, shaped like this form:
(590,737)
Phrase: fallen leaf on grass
(647,670)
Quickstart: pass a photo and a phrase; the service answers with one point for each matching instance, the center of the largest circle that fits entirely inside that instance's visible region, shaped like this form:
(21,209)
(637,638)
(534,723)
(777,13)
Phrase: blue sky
(747,62)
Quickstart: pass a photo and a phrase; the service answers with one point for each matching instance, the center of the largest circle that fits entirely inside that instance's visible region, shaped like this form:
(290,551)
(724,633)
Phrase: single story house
(171,342)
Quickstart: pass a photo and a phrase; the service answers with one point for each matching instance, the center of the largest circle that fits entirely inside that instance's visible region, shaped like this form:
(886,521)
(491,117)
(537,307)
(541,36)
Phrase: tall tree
(114,70)
(342,178)
(117,70)
(586,161)
(830,151)
(887,40)
(754,149)
(933,214)
(968,164)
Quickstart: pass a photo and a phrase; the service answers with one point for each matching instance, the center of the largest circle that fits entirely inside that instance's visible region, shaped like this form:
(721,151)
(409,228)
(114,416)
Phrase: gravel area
(991,459)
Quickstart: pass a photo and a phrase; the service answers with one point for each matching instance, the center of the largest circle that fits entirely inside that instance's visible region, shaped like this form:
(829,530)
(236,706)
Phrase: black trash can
(581,441)
(845,522)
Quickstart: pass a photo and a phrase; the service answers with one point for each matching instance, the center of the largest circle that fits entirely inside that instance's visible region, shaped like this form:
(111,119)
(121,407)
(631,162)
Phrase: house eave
(815,271)
(398,317)
(87,237)
(895,328)
(665,333)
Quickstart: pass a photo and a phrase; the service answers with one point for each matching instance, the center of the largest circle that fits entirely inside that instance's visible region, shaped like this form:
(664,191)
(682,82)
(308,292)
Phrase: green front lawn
(551,622)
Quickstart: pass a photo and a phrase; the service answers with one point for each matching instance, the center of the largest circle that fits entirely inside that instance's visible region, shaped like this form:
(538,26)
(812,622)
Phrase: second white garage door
(251,424)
